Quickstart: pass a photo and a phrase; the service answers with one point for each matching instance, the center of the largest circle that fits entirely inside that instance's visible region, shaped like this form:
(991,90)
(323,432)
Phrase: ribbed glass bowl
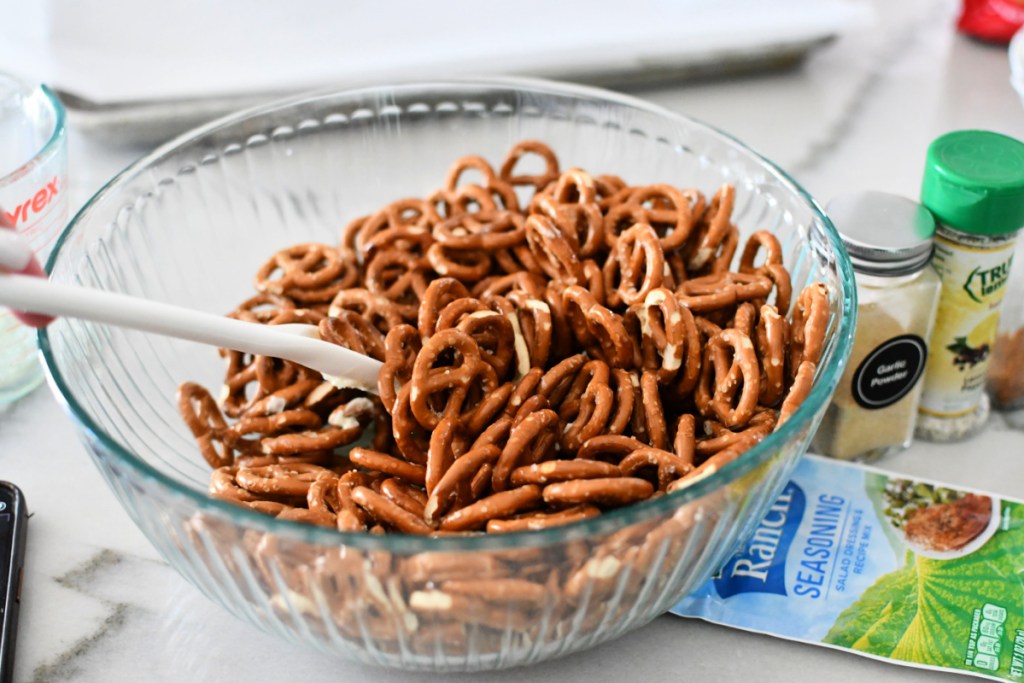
(192,222)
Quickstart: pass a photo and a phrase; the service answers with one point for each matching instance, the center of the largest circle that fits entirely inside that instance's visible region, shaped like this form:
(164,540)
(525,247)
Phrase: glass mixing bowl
(191,223)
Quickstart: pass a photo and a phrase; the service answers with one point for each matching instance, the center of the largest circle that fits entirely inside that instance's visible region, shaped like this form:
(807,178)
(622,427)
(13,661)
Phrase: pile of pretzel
(554,344)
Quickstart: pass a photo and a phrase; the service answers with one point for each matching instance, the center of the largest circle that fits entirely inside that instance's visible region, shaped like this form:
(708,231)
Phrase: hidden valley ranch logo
(760,565)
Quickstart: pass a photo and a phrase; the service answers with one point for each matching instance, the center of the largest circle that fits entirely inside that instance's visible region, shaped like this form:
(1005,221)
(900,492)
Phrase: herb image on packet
(899,569)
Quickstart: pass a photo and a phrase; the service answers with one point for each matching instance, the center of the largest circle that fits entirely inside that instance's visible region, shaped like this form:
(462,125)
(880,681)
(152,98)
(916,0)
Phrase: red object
(994,20)
(33,268)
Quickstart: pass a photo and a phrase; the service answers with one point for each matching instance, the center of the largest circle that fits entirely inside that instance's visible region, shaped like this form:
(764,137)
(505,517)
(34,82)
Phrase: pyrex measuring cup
(33,201)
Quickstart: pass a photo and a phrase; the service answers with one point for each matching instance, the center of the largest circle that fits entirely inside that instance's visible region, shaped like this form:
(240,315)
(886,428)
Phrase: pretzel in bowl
(554,343)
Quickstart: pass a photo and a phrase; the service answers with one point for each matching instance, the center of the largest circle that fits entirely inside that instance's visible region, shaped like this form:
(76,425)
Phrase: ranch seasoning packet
(900,569)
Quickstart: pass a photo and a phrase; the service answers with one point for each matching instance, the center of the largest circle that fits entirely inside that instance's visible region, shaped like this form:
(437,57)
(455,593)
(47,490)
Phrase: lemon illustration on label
(966,328)
(985,331)
(974,348)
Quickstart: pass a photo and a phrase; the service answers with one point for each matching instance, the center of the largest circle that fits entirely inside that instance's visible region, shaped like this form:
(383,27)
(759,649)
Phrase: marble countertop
(99,604)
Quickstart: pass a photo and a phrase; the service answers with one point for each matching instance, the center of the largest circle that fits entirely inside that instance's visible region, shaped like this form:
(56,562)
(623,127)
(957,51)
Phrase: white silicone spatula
(295,342)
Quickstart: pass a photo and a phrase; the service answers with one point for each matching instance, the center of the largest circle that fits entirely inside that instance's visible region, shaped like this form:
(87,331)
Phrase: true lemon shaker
(974,186)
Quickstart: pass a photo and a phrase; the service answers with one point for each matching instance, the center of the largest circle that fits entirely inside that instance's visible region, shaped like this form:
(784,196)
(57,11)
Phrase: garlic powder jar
(889,239)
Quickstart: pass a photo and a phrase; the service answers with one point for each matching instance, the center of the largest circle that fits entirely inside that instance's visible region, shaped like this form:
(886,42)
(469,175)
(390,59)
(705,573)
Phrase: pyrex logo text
(34,205)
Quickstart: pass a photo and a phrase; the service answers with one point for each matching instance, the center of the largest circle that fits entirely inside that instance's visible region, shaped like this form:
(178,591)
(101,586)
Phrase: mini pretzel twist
(306,266)
(438,294)
(491,406)
(557,256)
(470,162)
(205,421)
(389,512)
(653,412)
(537,181)
(262,308)
(224,487)
(798,391)
(325,439)
(442,452)
(668,465)
(389,465)
(608,492)
(562,336)
(272,425)
(399,277)
(376,309)
(458,476)
(780,278)
(622,384)
(722,291)
(744,319)
(706,468)
(411,439)
(670,212)
(772,337)
(322,496)
(684,444)
(466,199)
(353,332)
(588,415)
(440,391)
(457,197)
(467,265)
(762,240)
(412,240)
(495,336)
(668,334)
(490,230)
(638,261)
(724,374)
(713,227)
(534,320)
(599,330)
(810,323)
(279,480)
(495,506)
(528,442)
(404,495)
(540,520)
(563,470)
(530,284)
(572,206)
(722,438)
(404,224)
(524,388)
(401,347)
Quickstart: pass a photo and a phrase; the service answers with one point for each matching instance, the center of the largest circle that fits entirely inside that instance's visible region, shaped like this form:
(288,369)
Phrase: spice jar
(1005,376)
(889,239)
(974,185)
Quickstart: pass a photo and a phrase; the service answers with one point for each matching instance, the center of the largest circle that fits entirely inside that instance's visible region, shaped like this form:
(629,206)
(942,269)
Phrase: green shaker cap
(974,182)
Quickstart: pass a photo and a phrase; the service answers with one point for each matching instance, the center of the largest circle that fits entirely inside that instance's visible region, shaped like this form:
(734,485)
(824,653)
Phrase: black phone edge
(13,566)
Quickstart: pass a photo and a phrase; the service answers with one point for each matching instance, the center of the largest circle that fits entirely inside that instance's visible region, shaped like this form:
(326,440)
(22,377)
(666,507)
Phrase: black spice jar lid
(885,234)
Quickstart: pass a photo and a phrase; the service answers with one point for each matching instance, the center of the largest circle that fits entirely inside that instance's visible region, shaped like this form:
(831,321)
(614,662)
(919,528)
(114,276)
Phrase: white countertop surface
(100,605)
